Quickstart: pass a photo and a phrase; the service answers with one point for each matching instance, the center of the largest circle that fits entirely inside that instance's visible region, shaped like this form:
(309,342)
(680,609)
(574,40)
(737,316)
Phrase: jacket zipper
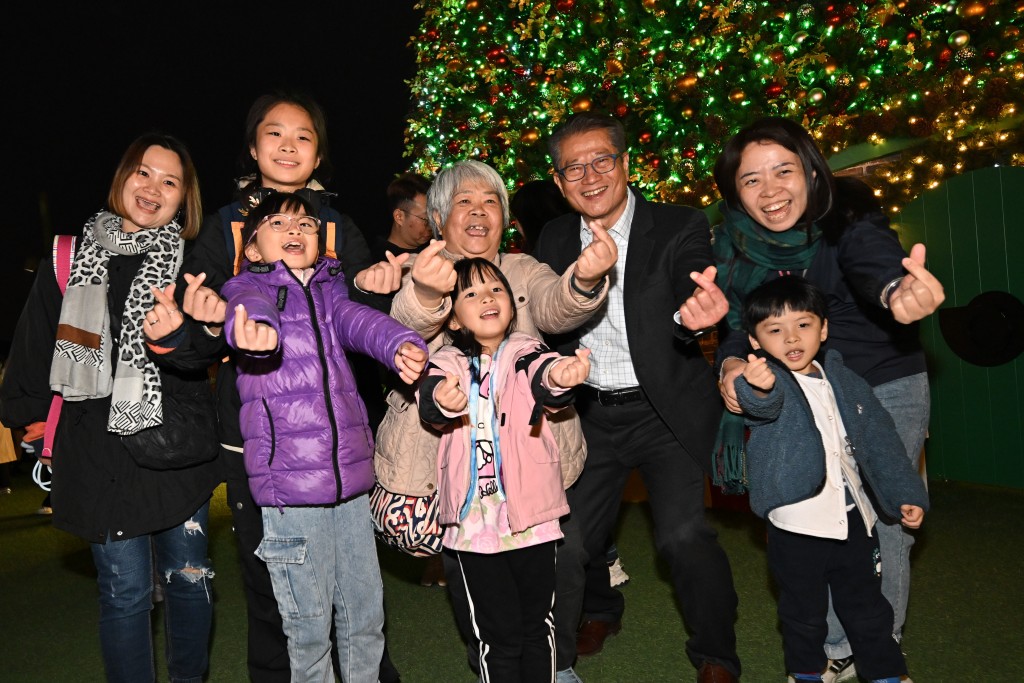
(327,385)
(273,441)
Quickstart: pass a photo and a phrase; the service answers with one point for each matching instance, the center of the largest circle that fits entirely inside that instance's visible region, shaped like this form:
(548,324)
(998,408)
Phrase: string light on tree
(683,75)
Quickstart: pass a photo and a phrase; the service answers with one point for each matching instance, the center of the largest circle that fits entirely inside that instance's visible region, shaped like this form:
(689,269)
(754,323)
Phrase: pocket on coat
(293,577)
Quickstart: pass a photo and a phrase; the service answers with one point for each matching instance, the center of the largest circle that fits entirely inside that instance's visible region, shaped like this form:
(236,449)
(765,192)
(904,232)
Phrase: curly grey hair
(451,180)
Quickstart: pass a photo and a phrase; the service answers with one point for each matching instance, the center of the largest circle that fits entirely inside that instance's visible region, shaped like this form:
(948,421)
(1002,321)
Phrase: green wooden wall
(973,226)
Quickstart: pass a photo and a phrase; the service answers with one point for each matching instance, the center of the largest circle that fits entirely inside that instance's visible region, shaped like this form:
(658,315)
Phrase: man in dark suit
(650,402)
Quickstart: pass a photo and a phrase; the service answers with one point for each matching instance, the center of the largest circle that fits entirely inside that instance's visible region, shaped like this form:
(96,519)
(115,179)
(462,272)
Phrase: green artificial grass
(966,619)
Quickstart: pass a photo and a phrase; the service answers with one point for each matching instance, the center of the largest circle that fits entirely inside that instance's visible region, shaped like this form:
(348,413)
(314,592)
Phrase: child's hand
(164,317)
(410,360)
(912,516)
(251,335)
(384,277)
(758,374)
(202,303)
(449,396)
(570,371)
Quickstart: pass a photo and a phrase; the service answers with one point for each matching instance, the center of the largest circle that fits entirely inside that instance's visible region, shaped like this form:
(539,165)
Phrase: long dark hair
(469,272)
(792,136)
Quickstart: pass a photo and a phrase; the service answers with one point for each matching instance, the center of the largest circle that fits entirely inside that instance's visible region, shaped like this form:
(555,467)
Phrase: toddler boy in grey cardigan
(822,454)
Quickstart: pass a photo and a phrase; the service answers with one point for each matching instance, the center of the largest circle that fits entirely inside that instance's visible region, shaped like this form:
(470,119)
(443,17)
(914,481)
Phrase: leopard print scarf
(81,367)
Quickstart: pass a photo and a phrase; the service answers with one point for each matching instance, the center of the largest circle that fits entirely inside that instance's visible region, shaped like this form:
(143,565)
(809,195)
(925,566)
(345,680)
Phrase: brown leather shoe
(714,673)
(592,633)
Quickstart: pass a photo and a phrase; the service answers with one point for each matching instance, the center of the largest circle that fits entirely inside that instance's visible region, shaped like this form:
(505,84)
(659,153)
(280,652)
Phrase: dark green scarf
(745,253)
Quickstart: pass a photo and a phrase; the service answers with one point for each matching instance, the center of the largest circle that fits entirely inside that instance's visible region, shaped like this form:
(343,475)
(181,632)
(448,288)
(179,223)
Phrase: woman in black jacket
(117,347)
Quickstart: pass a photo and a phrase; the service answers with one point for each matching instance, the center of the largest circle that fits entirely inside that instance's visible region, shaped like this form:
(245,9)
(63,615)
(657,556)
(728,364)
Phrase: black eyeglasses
(602,164)
(415,215)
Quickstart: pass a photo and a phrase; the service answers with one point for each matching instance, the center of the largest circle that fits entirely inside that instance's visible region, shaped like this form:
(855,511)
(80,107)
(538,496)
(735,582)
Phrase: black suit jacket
(666,244)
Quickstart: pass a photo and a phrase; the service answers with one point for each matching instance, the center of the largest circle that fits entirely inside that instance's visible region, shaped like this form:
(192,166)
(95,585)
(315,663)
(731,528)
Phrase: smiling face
(485,310)
(286,148)
(597,196)
(772,185)
(291,245)
(152,195)
(793,338)
(475,223)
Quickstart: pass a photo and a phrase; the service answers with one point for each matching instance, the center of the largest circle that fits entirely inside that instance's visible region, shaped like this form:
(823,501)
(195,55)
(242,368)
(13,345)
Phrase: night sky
(82,80)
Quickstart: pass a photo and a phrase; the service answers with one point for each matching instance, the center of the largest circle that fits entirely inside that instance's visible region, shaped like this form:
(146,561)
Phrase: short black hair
(402,190)
(584,122)
(775,297)
(274,202)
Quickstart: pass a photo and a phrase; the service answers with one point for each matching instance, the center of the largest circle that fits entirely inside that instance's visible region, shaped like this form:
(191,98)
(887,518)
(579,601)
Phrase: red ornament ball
(773,90)
(645,137)
(565,5)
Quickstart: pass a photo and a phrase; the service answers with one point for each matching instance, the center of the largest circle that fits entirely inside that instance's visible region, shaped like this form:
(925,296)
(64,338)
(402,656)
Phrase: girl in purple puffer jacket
(500,490)
(307,446)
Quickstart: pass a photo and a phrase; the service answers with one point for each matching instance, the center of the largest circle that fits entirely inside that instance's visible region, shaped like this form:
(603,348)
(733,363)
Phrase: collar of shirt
(619,231)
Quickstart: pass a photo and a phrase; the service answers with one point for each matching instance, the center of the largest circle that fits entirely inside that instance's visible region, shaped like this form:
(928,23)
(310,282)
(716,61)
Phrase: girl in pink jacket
(500,488)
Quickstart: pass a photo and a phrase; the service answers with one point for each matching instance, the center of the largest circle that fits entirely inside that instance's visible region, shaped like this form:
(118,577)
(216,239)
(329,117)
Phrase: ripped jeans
(126,587)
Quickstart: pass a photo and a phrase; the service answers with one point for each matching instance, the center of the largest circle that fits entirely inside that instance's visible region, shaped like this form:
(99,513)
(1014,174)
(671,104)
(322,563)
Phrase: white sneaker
(618,575)
(839,670)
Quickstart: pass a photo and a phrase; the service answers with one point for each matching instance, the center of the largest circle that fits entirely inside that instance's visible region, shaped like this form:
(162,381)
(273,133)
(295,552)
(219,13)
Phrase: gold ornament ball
(736,95)
(971,9)
(959,38)
(529,136)
(815,95)
(697,41)
(650,4)
(800,36)
(686,82)
(581,103)
(473,5)
(614,67)
(687,111)
(831,66)
(863,82)
(455,65)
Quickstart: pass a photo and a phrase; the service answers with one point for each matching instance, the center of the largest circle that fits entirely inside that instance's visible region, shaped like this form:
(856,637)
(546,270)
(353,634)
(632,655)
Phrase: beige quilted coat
(405,459)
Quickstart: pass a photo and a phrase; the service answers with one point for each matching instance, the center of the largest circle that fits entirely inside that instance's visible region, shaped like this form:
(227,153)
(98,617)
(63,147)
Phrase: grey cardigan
(786,455)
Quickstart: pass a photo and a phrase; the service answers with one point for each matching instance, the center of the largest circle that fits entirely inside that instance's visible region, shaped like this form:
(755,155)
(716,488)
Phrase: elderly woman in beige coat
(468,209)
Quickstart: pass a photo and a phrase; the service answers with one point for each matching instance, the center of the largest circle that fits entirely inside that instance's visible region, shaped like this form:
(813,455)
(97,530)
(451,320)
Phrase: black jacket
(666,244)
(97,488)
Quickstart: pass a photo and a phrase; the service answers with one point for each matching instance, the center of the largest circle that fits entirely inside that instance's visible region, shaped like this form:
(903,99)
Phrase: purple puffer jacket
(307,441)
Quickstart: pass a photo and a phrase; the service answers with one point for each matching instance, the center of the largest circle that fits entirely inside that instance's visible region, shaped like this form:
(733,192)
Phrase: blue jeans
(908,401)
(323,565)
(125,583)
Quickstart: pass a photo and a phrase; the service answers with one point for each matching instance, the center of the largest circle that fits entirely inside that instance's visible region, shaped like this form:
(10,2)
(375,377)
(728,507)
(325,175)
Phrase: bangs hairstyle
(275,202)
(792,136)
(774,298)
(469,272)
(584,122)
(258,112)
(451,180)
(190,212)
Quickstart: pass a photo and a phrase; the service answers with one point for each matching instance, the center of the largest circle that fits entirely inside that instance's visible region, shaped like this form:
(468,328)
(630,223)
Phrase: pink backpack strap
(63,259)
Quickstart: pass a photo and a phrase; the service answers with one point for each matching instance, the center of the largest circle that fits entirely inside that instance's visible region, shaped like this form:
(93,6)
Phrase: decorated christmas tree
(941,82)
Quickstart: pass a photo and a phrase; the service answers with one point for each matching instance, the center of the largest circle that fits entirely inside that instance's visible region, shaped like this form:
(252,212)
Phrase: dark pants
(805,568)
(633,436)
(510,599)
(569,582)
(267,643)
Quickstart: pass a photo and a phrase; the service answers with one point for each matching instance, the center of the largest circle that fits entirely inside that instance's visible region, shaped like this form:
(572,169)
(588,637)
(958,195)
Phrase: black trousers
(569,584)
(510,604)
(267,644)
(633,436)
(805,568)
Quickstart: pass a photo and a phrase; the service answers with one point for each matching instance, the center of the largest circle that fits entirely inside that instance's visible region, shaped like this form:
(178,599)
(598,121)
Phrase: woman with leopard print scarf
(114,345)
